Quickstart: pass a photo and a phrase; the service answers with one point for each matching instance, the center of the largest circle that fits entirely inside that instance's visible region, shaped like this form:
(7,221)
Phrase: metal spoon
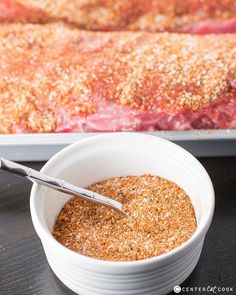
(58,184)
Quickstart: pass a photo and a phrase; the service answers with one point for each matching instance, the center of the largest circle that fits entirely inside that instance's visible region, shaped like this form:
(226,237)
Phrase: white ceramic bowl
(122,154)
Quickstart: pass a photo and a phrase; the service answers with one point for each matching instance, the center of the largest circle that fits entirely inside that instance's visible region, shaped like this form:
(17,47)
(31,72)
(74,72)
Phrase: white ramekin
(122,154)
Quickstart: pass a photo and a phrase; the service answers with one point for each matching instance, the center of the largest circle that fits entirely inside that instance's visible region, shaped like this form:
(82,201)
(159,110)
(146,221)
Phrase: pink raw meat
(58,79)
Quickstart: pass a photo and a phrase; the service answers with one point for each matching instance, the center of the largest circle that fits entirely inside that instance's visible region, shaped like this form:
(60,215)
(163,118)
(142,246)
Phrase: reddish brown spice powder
(160,218)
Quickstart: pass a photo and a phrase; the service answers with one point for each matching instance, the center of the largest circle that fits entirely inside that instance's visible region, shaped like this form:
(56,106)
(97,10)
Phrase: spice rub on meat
(192,16)
(160,218)
(58,79)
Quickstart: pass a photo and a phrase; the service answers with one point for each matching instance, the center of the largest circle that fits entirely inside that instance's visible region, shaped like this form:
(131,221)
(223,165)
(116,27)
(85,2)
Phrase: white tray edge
(40,147)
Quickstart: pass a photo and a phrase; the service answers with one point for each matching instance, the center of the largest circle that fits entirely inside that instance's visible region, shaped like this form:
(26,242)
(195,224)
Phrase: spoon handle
(57,184)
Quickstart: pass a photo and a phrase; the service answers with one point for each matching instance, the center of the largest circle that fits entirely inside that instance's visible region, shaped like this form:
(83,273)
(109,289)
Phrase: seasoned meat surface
(58,79)
(192,16)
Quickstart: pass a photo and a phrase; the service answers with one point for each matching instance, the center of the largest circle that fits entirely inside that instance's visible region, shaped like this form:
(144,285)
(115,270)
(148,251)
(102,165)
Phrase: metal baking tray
(40,147)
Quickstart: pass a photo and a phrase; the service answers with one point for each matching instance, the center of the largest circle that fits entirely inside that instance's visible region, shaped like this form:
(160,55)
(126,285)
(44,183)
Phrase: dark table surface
(23,266)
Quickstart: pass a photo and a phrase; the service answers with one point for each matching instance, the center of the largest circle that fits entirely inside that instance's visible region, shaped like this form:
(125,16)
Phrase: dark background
(23,266)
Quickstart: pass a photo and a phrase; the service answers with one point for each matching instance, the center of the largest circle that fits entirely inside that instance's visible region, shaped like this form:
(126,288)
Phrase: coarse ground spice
(58,79)
(160,218)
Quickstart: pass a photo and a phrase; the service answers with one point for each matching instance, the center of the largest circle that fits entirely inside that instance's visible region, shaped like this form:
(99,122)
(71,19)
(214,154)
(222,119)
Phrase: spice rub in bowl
(160,218)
